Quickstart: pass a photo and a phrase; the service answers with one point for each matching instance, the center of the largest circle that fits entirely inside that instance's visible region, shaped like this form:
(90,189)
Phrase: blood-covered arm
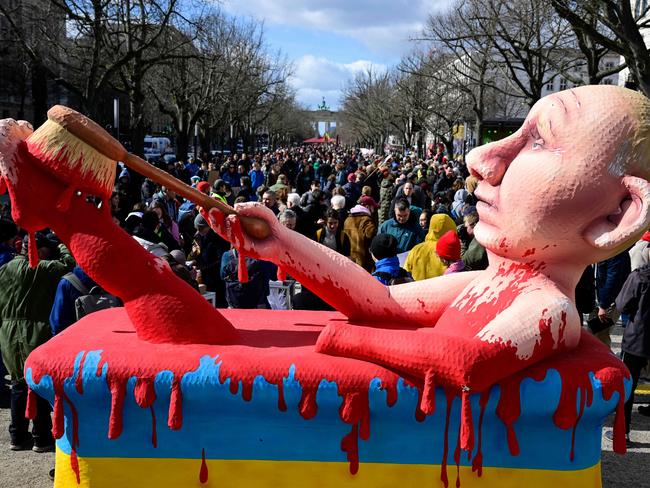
(453,355)
(339,281)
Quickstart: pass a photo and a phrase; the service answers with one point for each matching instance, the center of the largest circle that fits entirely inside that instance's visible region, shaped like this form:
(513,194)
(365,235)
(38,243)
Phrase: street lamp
(116,117)
(196,140)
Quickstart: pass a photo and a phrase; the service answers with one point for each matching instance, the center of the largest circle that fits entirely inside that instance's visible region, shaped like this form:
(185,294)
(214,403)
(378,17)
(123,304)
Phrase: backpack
(91,300)
(402,276)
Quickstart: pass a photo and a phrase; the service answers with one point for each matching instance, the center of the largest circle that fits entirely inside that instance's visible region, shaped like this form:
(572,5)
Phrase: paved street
(28,469)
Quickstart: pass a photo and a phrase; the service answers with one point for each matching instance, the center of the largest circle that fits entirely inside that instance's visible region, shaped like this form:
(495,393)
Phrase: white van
(156,146)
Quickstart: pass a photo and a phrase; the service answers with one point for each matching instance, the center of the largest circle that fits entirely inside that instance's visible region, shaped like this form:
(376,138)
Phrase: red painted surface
(175,327)
(294,334)
(170,311)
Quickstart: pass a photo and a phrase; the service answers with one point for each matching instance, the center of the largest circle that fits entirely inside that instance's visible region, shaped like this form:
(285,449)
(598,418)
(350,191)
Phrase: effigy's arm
(340,282)
(455,355)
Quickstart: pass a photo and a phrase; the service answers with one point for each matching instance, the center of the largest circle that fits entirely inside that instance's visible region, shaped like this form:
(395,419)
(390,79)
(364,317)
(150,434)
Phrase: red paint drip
(32,405)
(308,406)
(144,392)
(117,387)
(612,381)
(32,250)
(100,366)
(203,473)
(238,234)
(247,389)
(391,392)
(529,252)
(234,386)
(282,404)
(575,425)
(154,434)
(175,421)
(79,379)
(58,425)
(477,463)
(74,464)
(75,421)
(508,410)
(466,431)
(457,459)
(428,402)
(350,445)
(445,448)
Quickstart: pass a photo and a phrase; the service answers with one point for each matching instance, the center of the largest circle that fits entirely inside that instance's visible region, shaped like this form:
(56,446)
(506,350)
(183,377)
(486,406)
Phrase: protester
(423,261)
(383,250)
(448,250)
(360,227)
(634,301)
(404,227)
(332,235)
(25,303)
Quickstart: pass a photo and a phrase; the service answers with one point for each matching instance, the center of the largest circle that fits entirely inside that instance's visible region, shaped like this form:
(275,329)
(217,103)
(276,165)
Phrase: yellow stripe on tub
(157,473)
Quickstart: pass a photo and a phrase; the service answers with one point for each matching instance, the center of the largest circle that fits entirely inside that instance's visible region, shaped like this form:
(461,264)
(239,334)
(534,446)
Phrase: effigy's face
(542,186)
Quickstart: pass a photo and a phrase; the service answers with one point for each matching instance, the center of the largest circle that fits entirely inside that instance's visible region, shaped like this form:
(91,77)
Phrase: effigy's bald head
(572,182)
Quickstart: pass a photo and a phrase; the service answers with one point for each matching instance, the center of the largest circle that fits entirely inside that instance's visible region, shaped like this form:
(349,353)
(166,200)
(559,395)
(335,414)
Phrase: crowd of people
(401,218)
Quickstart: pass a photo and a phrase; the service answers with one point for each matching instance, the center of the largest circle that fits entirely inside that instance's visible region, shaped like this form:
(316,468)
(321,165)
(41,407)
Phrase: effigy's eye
(538,142)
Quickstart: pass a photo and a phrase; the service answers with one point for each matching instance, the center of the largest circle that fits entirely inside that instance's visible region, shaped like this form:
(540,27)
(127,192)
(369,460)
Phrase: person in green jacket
(25,304)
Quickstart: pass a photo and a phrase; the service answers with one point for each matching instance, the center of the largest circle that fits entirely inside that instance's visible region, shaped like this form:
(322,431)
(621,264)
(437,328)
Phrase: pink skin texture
(567,189)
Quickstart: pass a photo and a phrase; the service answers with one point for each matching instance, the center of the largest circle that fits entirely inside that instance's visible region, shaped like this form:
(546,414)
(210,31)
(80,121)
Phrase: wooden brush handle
(95,136)
(256,228)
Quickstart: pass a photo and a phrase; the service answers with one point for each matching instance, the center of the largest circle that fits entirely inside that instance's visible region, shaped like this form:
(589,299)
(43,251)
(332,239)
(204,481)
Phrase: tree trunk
(39,94)
(182,144)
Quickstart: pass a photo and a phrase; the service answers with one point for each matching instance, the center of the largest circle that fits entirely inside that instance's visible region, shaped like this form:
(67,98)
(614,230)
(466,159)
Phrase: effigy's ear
(632,218)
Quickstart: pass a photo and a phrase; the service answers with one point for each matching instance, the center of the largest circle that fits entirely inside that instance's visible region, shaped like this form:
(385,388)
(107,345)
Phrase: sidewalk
(28,469)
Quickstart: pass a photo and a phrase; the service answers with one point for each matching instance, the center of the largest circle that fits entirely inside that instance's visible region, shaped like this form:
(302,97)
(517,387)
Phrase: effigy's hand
(12,133)
(229,227)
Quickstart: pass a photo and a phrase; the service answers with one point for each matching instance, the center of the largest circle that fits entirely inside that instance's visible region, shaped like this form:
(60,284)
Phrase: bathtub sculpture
(487,372)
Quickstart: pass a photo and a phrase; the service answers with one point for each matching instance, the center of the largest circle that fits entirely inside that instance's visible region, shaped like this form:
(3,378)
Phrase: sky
(329,41)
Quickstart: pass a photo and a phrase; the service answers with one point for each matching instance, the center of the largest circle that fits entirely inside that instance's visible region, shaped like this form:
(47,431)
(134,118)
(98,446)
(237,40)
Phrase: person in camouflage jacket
(25,303)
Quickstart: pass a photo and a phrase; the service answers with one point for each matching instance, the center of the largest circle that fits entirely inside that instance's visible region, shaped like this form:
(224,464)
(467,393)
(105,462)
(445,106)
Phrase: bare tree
(106,45)
(461,59)
(614,26)
(366,110)
(225,82)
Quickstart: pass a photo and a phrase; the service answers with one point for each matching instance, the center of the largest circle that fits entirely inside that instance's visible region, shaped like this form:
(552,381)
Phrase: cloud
(318,77)
(382,25)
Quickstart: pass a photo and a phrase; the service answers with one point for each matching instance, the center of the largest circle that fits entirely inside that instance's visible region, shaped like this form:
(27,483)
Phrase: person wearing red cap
(448,250)
(203,187)
(352,190)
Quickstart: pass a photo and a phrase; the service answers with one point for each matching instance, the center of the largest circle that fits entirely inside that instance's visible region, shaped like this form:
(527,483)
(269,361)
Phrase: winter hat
(352,178)
(383,246)
(200,222)
(8,230)
(195,179)
(367,200)
(448,246)
(203,186)
(179,256)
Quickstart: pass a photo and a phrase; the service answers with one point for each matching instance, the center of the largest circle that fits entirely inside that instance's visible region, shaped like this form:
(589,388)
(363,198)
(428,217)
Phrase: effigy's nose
(491,161)
(486,165)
